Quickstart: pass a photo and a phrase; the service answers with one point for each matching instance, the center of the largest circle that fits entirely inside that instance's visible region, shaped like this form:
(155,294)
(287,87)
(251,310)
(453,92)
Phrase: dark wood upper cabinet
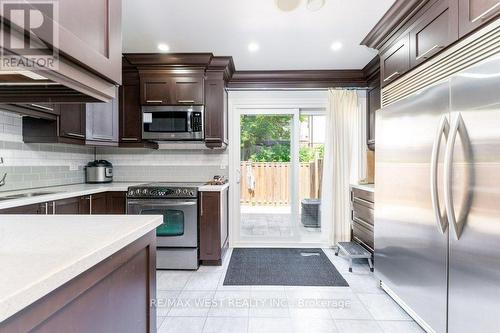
(395,60)
(437,29)
(72,121)
(188,89)
(474,13)
(373,104)
(88,48)
(172,87)
(91,33)
(215,111)
(155,91)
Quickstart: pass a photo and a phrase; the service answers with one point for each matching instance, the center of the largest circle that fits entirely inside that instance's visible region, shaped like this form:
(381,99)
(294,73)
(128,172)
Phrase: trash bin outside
(311,216)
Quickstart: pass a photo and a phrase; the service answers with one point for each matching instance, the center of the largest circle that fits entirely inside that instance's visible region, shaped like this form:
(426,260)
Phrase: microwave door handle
(444,128)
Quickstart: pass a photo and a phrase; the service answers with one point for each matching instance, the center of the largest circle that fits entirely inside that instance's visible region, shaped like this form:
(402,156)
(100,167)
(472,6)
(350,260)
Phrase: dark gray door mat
(282,267)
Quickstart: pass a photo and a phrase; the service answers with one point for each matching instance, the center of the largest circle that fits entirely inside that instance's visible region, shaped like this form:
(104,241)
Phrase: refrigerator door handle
(441,218)
(457,127)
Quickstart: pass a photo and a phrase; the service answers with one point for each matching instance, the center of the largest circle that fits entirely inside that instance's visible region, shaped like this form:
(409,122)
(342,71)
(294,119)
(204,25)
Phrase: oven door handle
(160,204)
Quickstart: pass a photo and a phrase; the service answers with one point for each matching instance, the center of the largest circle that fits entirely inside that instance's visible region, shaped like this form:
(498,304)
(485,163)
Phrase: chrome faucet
(2,180)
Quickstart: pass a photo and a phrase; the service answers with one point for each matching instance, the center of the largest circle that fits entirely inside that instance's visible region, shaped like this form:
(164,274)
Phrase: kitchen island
(77,273)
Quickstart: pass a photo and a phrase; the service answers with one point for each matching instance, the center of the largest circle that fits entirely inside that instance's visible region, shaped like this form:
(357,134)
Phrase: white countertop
(213,188)
(69,191)
(366,187)
(39,253)
(61,192)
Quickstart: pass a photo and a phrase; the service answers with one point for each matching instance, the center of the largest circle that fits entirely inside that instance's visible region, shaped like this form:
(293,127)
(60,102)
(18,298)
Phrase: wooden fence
(272,182)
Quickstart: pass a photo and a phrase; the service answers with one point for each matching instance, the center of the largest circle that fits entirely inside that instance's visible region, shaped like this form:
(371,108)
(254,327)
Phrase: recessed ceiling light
(287,5)
(336,46)
(314,5)
(253,47)
(163,47)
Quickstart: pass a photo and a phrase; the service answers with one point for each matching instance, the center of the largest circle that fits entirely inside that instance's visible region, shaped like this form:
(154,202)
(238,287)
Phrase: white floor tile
(226,325)
(172,280)
(182,325)
(314,326)
(159,321)
(269,325)
(400,327)
(164,301)
(358,326)
(269,303)
(350,309)
(203,281)
(382,307)
(230,304)
(192,304)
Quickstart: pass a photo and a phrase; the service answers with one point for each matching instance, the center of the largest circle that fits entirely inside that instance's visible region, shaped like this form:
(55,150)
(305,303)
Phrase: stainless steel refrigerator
(437,201)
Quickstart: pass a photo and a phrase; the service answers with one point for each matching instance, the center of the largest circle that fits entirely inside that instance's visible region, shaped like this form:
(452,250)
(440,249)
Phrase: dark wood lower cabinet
(76,205)
(116,295)
(213,226)
(37,209)
(116,203)
(99,203)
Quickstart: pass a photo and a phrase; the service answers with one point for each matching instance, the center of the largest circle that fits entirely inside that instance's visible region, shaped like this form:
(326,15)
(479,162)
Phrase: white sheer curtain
(344,159)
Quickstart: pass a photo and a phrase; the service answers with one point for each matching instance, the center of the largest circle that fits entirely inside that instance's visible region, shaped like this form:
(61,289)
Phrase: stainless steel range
(177,237)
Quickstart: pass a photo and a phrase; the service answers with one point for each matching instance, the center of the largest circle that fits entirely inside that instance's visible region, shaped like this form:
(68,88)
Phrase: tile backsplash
(40,165)
(30,165)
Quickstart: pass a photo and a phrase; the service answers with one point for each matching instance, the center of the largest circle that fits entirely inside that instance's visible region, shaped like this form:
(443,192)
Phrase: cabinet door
(116,203)
(102,121)
(437,29)
(187,90)
(130,113)
(474,13)
(98,204)
(72,121)
(395,61)
(215,113)
(67,206)
(155,91)
(28,209)
(210,215)
(373,105)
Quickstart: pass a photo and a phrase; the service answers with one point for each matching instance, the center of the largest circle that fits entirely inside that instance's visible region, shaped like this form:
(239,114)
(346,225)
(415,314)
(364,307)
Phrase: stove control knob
(178,191)
(144,191)
(185,191)
(191,193)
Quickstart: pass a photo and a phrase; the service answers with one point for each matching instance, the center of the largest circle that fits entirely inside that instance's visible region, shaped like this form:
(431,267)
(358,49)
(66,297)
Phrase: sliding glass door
(280,167)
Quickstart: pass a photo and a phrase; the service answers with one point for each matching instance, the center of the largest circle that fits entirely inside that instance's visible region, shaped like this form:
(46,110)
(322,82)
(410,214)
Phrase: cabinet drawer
(362,212)
(362,194)
(363,234)
(437,29)
(395,61)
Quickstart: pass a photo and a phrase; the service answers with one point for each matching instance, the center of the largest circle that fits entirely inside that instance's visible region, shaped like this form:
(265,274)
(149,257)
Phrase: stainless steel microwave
(172,123)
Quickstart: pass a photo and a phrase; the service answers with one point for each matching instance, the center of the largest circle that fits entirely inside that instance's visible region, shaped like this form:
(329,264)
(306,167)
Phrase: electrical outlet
(223,167)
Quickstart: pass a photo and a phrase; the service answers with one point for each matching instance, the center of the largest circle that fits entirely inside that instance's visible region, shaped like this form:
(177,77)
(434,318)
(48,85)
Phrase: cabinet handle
(53,208)
(130,139)
(153,101)
(391,76)
(201,204)
(76,135)
(190,101)
(42,107)
(424,55)
(485,15)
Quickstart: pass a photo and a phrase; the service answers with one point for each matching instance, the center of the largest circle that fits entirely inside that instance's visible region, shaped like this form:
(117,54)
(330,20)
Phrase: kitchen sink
(25,195)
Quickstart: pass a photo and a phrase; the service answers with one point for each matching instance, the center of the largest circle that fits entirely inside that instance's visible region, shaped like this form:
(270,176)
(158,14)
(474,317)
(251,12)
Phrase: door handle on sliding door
(457,127)
(441,219)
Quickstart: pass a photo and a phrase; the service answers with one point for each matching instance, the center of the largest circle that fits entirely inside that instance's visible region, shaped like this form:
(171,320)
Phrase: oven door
(180,219)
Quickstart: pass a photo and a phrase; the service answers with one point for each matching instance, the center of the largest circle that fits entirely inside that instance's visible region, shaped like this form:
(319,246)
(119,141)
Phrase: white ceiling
(288,41)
